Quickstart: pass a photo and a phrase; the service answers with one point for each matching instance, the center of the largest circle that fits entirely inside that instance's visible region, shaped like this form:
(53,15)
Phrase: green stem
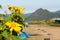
(10,36)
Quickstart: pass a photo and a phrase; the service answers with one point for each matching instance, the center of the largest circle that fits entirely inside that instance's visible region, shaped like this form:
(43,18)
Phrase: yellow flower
(16,8)
(0,28)
(18,12)
(13,26)
(20,8)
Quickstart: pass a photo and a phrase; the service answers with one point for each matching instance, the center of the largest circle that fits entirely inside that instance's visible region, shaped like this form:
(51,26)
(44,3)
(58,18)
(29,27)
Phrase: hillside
(28,15)
(42,14)
(58,12)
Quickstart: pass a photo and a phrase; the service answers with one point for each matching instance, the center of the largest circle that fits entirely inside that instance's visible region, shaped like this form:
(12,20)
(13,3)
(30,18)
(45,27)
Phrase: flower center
(13,25)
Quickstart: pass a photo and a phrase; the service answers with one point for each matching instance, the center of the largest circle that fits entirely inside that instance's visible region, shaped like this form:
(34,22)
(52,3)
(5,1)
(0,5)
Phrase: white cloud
(28,11)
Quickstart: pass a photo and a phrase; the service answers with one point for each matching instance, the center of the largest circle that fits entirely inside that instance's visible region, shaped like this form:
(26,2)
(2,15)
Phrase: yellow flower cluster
(16,8)
(14,26)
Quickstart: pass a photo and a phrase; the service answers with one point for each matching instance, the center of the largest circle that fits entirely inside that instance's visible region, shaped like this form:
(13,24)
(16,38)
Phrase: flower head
(14,26)
(11,7)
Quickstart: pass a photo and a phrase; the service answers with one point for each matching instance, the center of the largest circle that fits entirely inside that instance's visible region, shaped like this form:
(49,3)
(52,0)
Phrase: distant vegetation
(38,22)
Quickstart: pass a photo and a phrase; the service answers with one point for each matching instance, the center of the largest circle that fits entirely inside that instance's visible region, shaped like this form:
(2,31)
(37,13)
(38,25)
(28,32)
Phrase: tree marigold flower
(14,26)
(16,8)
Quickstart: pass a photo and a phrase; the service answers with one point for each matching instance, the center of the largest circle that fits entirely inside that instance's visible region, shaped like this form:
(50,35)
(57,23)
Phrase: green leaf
(5,34)
(24,24)
(0,37)
(15,38)
(1,15)
(8,18)
(21,15)
(3,27)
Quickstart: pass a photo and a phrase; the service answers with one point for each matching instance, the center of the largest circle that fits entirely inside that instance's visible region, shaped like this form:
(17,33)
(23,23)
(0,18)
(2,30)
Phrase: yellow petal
(0,28)
(8,24)
(17,24)
(11,29)
(17,29)
(14,25)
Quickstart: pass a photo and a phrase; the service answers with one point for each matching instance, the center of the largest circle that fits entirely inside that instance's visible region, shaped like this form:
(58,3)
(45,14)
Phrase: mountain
(58,12)
(42,14)
(28,15)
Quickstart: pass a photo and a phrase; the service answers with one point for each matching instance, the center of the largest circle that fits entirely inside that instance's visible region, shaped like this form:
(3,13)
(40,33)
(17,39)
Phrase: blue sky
(32,5)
